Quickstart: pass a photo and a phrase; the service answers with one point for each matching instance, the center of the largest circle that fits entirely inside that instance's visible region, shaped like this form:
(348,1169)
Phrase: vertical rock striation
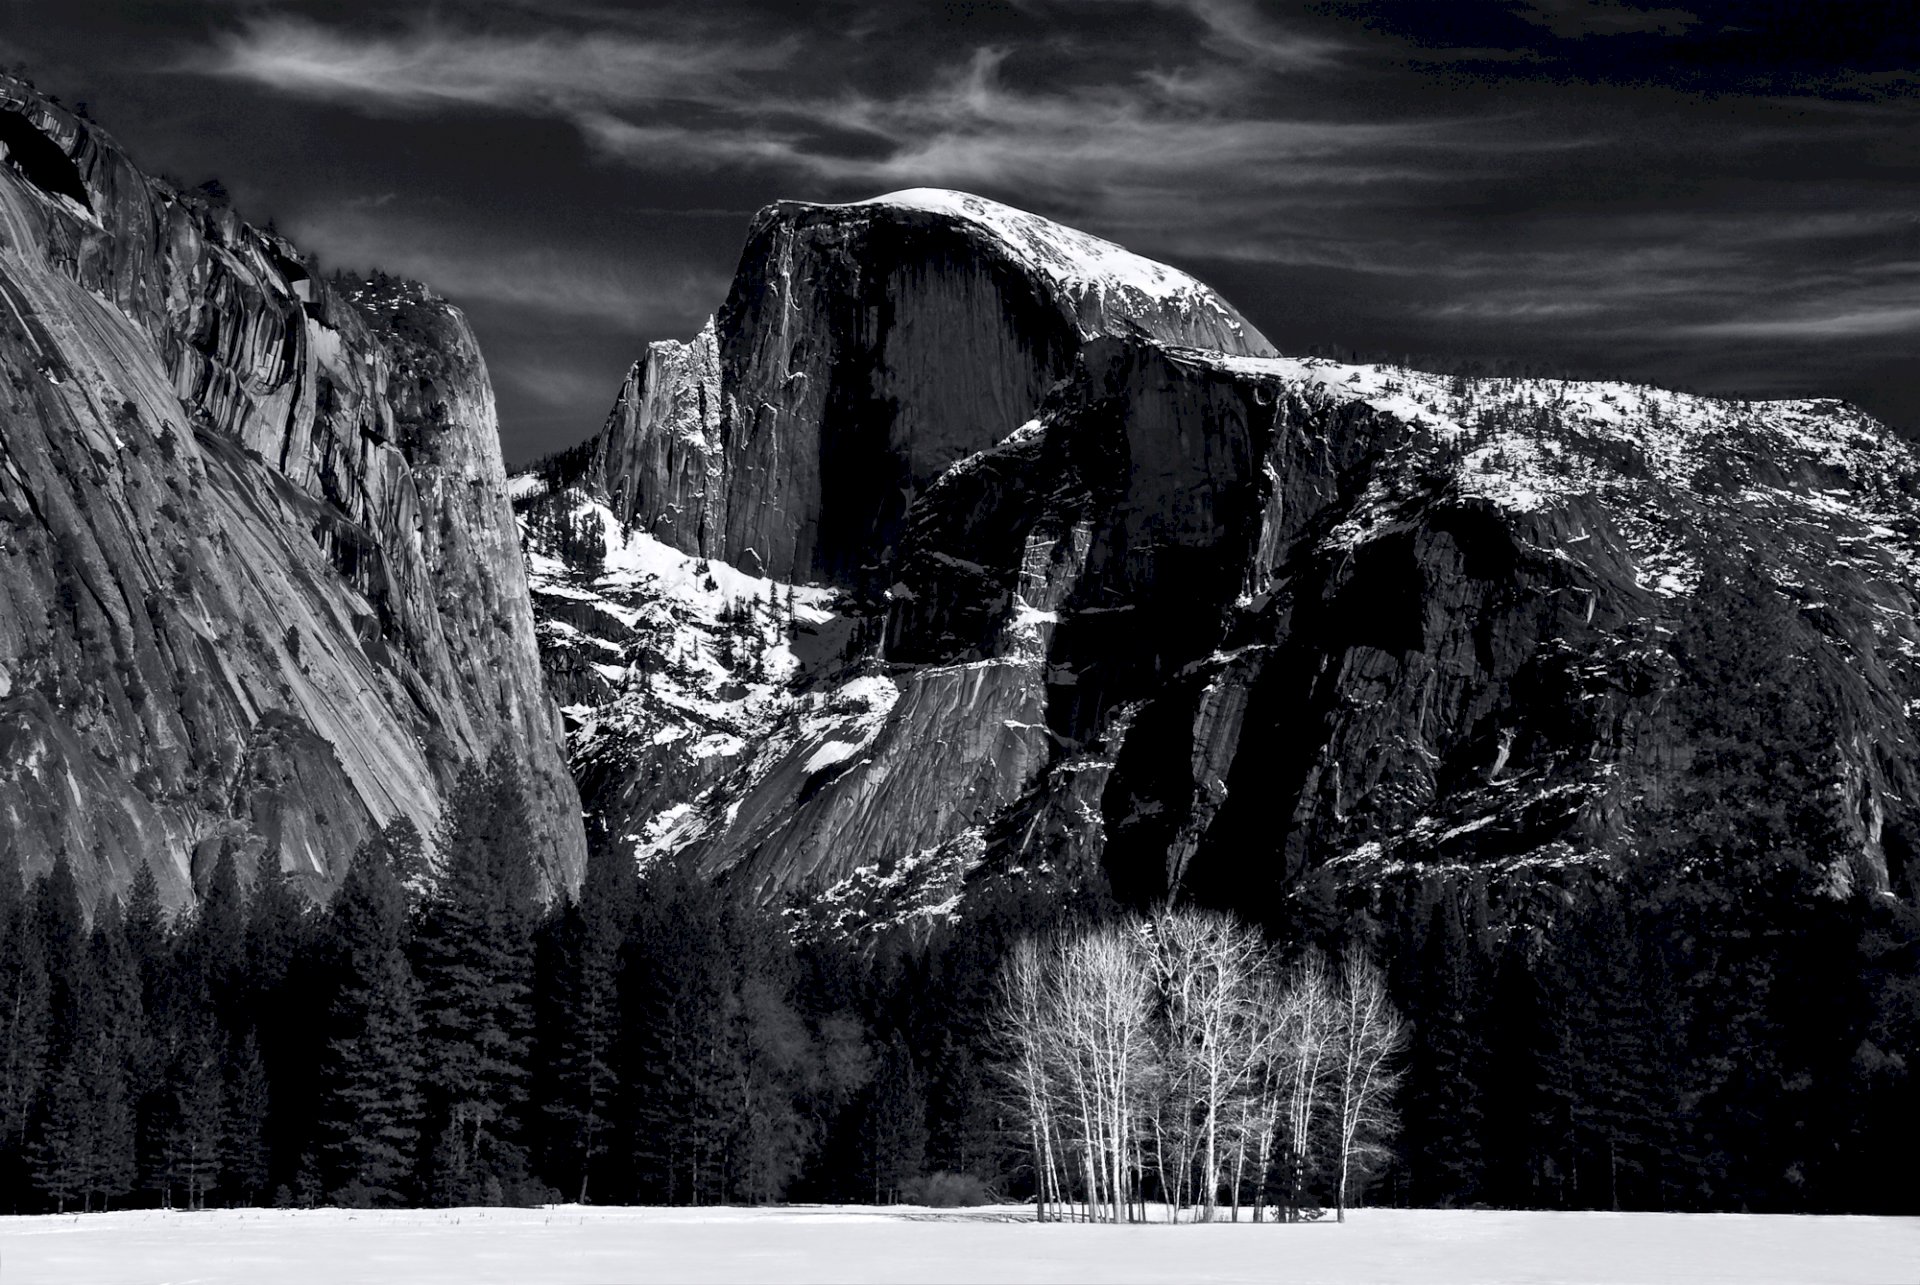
(259,579)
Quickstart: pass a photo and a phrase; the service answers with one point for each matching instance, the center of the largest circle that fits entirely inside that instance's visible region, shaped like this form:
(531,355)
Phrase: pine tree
(62,1140)
(582,1011)
(217,944)
(680,998)
(115,1026)
(274,914)
(145,928)
(196,1135)
(369,1117)
(1531,1075)
(771,1057)
(281,1006)
(476,974)
(895,1126)
(1623,1100)
(25,1018)
(243,1134)
(1445,1111)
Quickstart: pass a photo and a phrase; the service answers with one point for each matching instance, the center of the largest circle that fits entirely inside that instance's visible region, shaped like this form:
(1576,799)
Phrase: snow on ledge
(1075,259)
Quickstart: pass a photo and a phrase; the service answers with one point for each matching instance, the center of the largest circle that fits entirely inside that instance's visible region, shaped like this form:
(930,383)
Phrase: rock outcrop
(260,583)
(1087,574)
(862,351)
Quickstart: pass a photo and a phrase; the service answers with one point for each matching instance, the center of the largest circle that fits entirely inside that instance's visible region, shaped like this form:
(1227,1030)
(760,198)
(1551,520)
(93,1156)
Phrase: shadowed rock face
(259,579)
(861,352)
(1105,585)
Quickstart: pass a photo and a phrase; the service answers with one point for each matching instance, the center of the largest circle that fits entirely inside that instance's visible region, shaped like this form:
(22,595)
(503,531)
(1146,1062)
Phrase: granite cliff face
(863,351)
(942,557)
(259,578)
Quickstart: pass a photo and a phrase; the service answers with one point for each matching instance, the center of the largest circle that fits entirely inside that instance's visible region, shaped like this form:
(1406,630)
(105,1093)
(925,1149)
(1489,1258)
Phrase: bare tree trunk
(1239,1160)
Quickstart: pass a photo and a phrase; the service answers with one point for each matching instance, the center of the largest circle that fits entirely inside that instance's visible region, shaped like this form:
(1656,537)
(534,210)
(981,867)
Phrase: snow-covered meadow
(573,1244)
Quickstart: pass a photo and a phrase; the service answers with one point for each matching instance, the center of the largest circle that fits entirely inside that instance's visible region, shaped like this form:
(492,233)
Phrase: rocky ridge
(261,582)
(1131,589)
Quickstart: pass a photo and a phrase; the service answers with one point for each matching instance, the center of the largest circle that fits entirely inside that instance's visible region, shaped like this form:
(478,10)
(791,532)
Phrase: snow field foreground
(570,1244)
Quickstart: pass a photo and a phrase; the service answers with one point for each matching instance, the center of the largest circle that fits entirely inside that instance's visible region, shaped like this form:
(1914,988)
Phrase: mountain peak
(1106,288)
(1078,261)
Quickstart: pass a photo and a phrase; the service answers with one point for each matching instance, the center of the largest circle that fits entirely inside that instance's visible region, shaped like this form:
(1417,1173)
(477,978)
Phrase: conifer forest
(438,1036)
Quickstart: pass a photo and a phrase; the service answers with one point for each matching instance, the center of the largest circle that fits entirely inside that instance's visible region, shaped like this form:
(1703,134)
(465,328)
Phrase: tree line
(437,1035)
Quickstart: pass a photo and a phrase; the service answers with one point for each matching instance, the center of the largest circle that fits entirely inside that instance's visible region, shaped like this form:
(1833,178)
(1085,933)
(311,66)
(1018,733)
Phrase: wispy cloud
(1164,133)
(1241,31)
(1751,276)
(432,65)
(968,126)
(1875,321)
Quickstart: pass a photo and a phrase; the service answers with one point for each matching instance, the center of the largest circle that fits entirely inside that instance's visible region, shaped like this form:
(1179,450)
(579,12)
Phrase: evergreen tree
(369,1116)
(771,1057)
(273,935)
(217,943)
(281,1007)
(244,1099)
(680,997)
(1882,1131)
(1622,1099)
(1445,1112)
(145,929)
(25,1018)
(581,1011)
(196,1130)
(61,1141)
(1530,1075)
(894,1130)
(115,1046)
(476,973)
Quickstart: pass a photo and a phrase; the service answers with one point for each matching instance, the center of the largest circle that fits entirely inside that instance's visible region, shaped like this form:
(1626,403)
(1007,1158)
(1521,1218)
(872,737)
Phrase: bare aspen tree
(1310,1010)
(1370,1034)
(1107,976)
(1206,965)
(1176,977)
(1266,1092)
(1022,1025)
(1073,1032)
(1258,1102)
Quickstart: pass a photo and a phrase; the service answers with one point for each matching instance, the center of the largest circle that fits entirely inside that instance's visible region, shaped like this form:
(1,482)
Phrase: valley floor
(844,1243)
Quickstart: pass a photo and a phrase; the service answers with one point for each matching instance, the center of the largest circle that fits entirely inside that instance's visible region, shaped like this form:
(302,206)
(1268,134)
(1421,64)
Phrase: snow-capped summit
(1115,287)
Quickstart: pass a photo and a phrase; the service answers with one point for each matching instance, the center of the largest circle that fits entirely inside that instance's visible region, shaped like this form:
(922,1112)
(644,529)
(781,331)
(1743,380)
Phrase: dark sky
(1715,196)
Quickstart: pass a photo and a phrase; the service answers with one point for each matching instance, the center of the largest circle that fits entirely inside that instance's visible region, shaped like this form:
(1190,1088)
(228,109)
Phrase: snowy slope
(1647,453)
(679,663)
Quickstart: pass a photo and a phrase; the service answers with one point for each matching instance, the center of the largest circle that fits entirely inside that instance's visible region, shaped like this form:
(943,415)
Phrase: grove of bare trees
(1170,1061)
